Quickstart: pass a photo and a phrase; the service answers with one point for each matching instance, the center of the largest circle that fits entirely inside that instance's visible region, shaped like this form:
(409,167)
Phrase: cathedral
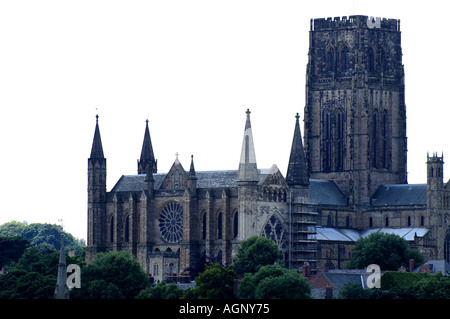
(346,178)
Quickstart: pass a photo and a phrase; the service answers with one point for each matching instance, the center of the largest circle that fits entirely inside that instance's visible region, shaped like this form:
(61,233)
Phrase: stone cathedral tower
(355,117)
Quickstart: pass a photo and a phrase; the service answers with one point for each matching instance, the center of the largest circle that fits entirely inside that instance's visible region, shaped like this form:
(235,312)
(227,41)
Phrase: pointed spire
(248,171)
(147,161)
(97,148)
(192,177)
(61,290)
(297,173)
(192,169)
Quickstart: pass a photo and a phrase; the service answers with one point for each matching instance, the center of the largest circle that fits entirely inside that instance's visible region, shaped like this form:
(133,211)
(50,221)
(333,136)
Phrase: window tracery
(171,223)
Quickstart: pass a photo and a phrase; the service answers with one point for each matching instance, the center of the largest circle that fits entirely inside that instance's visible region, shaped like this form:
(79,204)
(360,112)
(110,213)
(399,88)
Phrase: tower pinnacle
(147,161)
(97,148)
(297,173)
(248,171)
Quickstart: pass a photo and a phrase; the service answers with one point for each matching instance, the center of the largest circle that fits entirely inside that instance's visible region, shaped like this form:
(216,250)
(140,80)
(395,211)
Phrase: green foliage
(100,289)
(389,251)
(274,282)
(401,280)
(12,228)
(46,237)
(111,275)
(32,277)
(11,248)
(289,285)
(250,282)
(216,282)
(354,290)
(162,291)
(254,253)
(402,285)
(433,287)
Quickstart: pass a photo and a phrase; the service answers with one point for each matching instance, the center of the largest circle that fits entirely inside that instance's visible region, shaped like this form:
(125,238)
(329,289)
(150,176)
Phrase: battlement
(356,21)
(435,158)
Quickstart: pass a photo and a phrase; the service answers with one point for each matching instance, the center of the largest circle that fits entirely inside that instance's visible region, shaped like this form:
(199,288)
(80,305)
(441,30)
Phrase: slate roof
(436,265)
(325,192)
(209,179)
(320,191)
(400,195)
(352,235)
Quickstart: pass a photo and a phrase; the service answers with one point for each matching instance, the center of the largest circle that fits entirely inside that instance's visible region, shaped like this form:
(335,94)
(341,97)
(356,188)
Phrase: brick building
(346,179)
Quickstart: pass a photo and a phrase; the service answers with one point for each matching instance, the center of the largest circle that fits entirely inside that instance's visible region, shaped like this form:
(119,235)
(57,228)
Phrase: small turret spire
(297,174)
(192,169)
(147,160)
(97,148)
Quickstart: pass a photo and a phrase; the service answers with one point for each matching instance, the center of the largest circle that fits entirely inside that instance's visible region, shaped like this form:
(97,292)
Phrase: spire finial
(297,117)
(248,112)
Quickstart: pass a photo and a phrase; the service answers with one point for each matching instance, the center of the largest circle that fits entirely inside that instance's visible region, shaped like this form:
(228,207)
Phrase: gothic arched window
(204,226)
(371,59)
(274,230)
(345,60)
(235,224)
(330,61)
(328,140)
(329,221)
(111,230)
(127,229)
(340,142)
(219,226)
(384,133)
(383,60)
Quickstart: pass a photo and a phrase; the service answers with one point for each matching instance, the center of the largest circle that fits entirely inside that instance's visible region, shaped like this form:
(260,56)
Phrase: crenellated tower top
(355,21)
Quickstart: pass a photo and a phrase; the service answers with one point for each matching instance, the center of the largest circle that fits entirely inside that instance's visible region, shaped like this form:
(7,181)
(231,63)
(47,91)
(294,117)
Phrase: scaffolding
(302,234)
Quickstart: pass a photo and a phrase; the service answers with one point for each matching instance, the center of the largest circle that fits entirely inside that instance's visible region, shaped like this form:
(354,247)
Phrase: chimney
(411,265)
(306,270)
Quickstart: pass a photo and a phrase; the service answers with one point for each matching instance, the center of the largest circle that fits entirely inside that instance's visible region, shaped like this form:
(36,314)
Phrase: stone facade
(176,222)
(346,180)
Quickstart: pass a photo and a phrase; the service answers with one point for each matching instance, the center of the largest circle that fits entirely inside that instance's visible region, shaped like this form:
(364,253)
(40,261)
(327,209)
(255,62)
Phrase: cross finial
(297,116)
(248,112)
(176,154)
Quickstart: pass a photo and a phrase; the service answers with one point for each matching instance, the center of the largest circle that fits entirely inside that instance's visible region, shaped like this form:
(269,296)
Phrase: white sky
(191,68)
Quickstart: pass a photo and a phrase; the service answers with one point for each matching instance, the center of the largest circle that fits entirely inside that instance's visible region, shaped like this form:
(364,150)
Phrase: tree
(354,290)
(216,282)
(46,237)
(389,251)
(32,277)
(274,282)
(11,249)
(255,252)
(111,275)
(433,287)
(162,291)
(290,285)
(250,281)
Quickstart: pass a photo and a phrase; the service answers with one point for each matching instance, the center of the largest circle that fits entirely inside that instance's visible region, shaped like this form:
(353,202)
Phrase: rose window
(171,223)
